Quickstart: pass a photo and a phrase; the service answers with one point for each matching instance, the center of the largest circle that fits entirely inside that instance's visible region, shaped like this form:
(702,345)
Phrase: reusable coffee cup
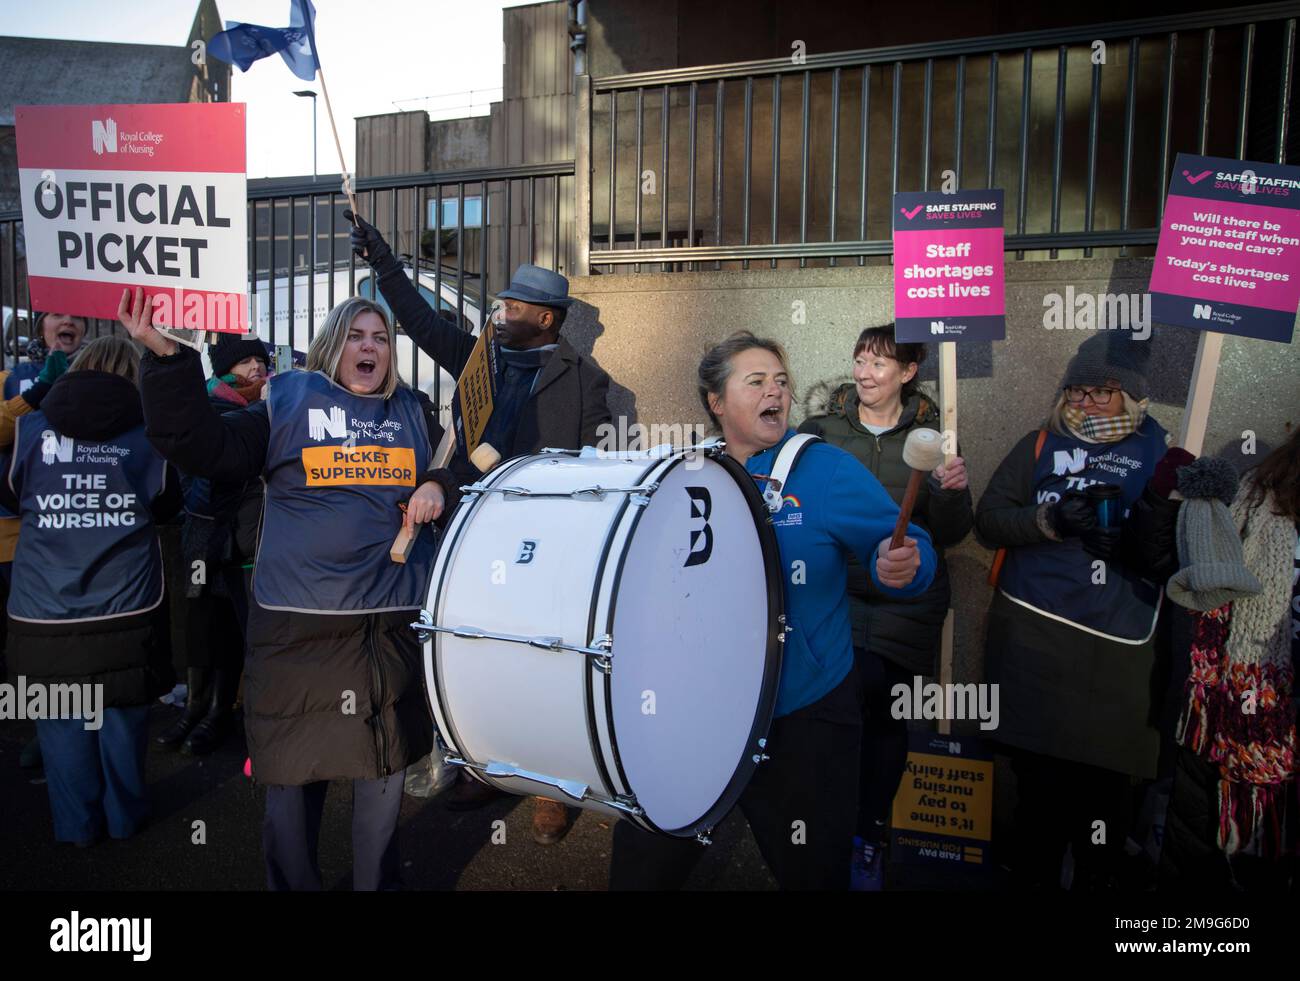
(1106,501)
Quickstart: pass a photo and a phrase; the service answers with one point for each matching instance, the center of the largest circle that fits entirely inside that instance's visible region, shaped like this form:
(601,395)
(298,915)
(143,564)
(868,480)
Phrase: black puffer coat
(906,632)
(325,696)
(131,655)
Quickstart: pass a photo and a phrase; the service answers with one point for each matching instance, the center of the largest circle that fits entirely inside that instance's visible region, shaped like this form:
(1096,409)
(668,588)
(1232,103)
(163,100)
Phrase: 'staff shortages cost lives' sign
(948,278)
(137,195)
(1229,252)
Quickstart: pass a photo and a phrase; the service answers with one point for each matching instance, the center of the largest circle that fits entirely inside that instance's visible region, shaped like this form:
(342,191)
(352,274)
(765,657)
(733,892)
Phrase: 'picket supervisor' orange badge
(338,466)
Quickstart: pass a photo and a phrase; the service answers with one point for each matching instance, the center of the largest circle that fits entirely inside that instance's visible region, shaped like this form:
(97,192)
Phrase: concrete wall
(649,331)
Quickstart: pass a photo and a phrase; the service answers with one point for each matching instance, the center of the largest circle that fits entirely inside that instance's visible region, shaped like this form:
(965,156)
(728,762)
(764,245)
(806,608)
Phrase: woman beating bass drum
(333,684)
(802,803)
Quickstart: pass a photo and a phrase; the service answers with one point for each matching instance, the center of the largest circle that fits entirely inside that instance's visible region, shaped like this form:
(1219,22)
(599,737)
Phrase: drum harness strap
(785,462)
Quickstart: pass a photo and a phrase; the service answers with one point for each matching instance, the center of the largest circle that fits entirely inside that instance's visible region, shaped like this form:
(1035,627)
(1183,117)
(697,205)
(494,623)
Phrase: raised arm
(179,420)
(445,342)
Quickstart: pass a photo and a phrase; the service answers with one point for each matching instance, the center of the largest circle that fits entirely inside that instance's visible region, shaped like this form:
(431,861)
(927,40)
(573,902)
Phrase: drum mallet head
(923,451)
(485,457)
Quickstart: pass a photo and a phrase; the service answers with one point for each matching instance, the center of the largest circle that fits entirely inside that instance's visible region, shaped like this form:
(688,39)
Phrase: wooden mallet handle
(923,451)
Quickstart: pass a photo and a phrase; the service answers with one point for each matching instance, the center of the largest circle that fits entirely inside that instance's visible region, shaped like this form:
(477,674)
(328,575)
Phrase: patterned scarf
(1106,429)
(1239,713)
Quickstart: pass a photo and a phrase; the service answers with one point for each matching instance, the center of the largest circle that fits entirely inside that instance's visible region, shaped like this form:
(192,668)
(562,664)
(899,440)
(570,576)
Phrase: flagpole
(347,179)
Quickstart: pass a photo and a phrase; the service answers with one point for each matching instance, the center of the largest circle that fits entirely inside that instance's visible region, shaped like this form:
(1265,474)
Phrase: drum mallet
(923,451)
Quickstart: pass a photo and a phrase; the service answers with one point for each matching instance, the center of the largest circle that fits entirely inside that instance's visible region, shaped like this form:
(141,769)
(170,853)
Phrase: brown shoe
(470,794)
(550,821)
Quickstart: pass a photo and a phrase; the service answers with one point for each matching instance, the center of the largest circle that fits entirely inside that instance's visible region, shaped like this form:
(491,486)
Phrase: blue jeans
(96,777)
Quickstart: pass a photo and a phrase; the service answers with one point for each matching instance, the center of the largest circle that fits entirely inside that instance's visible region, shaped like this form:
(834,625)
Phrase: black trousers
(291,832)
(1058,804)
(884,741)
(801,806)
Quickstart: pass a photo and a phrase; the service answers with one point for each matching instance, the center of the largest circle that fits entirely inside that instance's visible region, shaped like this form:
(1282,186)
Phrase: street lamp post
(309,94)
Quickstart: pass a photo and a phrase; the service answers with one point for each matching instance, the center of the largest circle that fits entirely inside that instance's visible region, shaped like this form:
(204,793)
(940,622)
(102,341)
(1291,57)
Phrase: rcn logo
(937,327)
(335,423)
(103,135)
(1201,311)
(55,447)
(1071,461)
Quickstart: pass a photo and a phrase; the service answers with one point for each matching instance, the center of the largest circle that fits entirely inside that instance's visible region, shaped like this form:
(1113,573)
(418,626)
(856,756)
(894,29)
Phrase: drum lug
(761,757)
(627,804)
(784,629)
(703,837)
(422,627)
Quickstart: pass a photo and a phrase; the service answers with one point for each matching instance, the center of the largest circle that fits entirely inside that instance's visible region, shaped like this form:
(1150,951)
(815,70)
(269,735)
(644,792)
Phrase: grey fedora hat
(533,284)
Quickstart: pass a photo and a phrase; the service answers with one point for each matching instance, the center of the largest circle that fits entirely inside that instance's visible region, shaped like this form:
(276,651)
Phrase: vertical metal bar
(1090,194)
(437,248)
(1022,194)
(374,210)
(613,165)
(532,220)
(250,212)
(484,229)
(1166,126)
(1203,118)
(460,254)
(640,165)
(864,130)
(960,120)
(291,308)
(1243,98)
(835,150)
(270,284)
(1130,104)
(333,209)
(555,224)
(311,260)
(417,225)
(776,155)
(583,171)
(898,106)
(991,166)
(690,186)
(352,273)
(1284,92)
(1058,143)
(719,95)
(510,184)
(803,168)
(663,175)
(927,113)
(749,158)
(13,278)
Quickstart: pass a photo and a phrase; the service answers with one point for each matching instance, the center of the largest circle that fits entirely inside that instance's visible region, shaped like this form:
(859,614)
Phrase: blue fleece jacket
(833,505)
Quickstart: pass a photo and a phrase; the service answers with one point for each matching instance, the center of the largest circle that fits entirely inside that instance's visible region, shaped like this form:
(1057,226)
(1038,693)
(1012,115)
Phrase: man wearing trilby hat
(548,395)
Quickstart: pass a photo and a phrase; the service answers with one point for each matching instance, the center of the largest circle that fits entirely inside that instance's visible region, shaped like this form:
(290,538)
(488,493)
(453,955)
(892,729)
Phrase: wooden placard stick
(1191,431)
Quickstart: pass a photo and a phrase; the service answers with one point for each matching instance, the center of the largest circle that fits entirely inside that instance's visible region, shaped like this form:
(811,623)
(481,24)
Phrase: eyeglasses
(1075,394)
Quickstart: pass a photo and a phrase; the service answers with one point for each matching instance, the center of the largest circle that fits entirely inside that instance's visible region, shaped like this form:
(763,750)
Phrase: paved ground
(440,849)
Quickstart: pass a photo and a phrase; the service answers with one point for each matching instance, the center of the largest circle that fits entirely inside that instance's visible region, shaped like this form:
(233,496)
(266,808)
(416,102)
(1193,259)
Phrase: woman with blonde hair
(85,610)
(333,688)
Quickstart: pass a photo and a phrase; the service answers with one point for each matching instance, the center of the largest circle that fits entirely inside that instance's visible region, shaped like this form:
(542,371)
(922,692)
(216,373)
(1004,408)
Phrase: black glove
(1074,516)
(366,240)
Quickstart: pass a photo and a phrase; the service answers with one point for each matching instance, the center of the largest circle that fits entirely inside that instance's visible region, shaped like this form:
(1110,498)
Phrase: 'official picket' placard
(948,276)
(137,195)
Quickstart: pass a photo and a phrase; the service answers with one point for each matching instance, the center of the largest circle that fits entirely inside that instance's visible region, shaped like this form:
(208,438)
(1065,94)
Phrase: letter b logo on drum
(701,507)
(527,549)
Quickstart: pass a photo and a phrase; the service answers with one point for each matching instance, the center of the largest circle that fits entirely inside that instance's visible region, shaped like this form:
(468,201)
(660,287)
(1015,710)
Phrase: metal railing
(298,245)
(803,215)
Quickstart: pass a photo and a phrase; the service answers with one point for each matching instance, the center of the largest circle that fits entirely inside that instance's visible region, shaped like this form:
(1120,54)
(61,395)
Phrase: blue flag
(242,44)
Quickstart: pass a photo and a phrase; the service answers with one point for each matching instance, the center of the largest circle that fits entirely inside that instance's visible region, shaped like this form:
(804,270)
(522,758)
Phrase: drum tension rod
(601,649)
(595,492)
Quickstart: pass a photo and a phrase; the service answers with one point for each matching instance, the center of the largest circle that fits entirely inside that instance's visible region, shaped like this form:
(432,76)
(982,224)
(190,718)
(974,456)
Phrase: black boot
(198,696)
(212,728)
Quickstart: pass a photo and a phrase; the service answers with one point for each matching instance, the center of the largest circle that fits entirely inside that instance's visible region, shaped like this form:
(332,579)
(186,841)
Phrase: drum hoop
(766,706)
(446,554)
